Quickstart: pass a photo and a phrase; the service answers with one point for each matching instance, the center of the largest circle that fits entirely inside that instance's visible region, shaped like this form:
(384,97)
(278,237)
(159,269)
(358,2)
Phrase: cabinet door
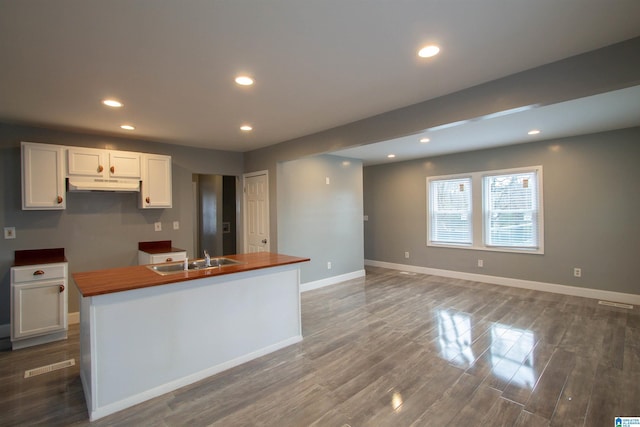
(124,164)
(38,308)
(86,162)
(43,177)
(156,182)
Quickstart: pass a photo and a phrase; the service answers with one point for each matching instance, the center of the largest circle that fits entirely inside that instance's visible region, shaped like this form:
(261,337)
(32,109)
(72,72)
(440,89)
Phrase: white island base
(142,343)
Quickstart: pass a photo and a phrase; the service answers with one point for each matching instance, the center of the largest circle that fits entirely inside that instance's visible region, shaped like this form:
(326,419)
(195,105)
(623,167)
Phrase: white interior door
(256,205)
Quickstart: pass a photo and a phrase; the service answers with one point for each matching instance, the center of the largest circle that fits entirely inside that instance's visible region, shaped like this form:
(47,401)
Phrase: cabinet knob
(59,199)
(148,200)
(100,168)
(113,169)
(61,288)
(169,259)
(38,273)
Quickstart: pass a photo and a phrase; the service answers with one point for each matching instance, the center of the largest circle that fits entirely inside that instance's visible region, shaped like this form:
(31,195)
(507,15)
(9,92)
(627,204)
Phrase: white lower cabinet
(145,258)
(38,304)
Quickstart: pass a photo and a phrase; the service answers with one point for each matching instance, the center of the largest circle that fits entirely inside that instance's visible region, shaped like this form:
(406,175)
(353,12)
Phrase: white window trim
(477,211)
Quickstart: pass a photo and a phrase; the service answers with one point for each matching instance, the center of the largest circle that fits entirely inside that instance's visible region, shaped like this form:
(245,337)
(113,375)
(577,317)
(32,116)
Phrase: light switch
(176,225)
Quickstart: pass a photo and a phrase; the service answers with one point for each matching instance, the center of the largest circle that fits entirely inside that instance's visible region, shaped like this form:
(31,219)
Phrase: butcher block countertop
(100,282)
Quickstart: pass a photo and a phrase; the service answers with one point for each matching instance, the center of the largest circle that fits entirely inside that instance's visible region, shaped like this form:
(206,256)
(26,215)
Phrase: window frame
(430,228)
(478,210)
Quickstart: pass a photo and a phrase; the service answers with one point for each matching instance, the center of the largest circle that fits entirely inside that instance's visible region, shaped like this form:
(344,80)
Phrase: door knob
(264,241)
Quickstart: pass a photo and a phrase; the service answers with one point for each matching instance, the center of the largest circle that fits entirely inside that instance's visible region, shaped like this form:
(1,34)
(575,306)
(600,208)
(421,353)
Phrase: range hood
(101,184)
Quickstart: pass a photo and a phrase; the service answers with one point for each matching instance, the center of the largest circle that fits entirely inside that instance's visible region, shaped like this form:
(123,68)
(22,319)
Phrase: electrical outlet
(157,226)
(577,272)
(329,265)
(480,263)
(176,225)
(9,232)
(406,255)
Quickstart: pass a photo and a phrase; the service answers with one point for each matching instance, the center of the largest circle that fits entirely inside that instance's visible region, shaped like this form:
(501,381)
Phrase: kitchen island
(143,334)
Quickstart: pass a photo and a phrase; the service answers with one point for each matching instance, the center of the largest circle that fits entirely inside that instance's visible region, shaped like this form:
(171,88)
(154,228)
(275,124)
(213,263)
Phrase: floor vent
(49,368)
(616,304)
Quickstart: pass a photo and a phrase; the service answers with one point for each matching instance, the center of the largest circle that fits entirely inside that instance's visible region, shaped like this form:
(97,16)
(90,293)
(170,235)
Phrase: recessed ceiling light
(112,103)
(246,128)
(428,51)
(127,127)
(244,80)
(391,156)
(424,140)
(533,132)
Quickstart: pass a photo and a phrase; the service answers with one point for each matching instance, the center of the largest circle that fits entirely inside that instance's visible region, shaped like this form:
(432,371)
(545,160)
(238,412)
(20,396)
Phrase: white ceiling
(317,63)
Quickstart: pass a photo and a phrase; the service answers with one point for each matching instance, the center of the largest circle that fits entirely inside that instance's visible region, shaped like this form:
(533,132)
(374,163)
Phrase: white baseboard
(99,412)
(331,280)
(73,318)
(599,294)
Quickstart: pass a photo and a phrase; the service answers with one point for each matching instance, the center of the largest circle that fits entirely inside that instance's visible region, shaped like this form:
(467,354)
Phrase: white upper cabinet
(44,172)
(156,182)
(124,164)
(86,162)
(43,176)
(103,163)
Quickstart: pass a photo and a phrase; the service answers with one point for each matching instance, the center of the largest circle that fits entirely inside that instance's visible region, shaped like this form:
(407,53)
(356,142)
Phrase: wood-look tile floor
(390,349)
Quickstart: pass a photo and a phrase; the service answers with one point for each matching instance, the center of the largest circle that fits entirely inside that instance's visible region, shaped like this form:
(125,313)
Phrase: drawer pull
(38,273)
(61,288)
(148,200)
(169,259)
(100,168)
(59,199)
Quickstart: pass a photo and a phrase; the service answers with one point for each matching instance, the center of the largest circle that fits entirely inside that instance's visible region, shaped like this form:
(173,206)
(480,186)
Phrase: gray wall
(599,71)
(319,220)
(98,230)
(591,211)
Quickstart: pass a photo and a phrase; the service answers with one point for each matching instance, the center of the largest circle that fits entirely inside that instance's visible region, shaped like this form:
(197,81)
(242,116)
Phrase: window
(505,214)
(511,210)
(450,211)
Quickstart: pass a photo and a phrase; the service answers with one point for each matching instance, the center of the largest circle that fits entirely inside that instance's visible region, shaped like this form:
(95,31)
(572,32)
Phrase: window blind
(450,211)
(511,210)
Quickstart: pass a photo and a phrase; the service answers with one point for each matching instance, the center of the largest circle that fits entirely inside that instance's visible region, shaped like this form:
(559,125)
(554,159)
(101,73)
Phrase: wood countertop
(158,247)
(100,282)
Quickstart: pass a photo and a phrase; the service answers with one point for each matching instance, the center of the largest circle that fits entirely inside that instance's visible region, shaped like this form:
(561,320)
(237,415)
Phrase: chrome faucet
(207,259)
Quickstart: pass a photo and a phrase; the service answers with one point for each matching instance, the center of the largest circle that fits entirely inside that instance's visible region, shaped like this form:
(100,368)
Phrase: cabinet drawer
(168,257)
(145,258)
(38,272)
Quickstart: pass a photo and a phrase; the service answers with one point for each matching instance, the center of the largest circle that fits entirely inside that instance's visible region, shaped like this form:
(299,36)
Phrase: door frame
(245,227)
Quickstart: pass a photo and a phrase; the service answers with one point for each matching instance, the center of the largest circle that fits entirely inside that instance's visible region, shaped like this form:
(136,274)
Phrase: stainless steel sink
(199,264)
